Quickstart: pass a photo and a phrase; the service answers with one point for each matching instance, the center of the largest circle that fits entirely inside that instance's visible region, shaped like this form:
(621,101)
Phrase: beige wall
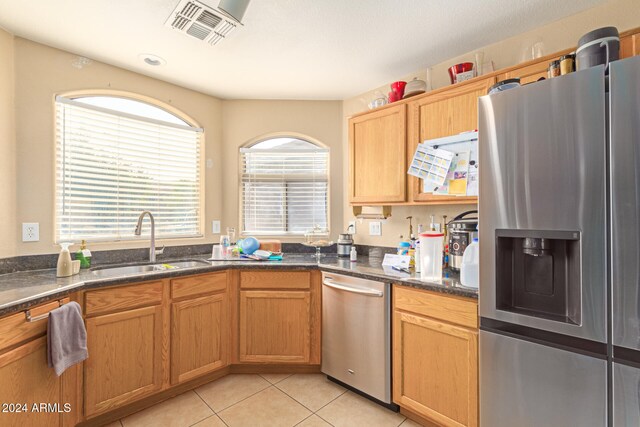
(8,227)
(244,121)
(41,73)
(559,35)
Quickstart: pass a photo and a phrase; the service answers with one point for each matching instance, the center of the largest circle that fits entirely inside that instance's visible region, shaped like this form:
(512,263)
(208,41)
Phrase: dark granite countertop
(23,289)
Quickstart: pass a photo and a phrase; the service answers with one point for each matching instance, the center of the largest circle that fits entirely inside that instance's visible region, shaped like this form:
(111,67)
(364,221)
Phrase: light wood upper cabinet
(377,155)
(25,378)
(275,326)
(630,45)
(530,72)
(435,360)
(443,113)
(125,358)
(198,336)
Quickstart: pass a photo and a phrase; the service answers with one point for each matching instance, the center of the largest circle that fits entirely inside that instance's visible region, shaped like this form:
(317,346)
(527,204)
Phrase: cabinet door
(630,46)
(125,358)
(377,155)
(444,113)
(25,378)
(435,370)
(275,326)
(198,337)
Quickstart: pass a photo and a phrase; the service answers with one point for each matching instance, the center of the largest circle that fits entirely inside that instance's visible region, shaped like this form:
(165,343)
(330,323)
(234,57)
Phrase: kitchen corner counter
(21,290)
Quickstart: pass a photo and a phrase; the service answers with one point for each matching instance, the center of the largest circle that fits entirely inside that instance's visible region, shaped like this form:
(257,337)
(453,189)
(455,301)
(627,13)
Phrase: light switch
(375,228)
(215,226)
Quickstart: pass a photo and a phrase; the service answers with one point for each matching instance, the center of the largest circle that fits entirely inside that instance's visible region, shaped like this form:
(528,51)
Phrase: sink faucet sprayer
(152,247)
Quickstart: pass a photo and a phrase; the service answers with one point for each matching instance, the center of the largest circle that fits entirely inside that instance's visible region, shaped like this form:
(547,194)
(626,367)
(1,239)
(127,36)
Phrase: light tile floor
(273,400)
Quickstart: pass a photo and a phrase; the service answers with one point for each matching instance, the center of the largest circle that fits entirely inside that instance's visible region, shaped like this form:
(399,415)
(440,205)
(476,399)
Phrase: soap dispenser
(65,268)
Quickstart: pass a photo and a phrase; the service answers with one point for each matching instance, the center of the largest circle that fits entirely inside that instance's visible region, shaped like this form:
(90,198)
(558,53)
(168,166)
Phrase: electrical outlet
(215,226)
(375,228)
(352,227)
(30,232)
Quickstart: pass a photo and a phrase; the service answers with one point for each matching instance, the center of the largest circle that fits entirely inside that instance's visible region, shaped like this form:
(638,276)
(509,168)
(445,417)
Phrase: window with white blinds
(284,187)
(117,157)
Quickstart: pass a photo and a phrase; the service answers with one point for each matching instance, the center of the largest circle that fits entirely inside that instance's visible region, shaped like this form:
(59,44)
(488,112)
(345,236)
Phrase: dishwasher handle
(341,286)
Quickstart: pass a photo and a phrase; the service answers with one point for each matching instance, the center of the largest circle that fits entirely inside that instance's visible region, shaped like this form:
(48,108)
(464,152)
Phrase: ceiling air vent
(203,22)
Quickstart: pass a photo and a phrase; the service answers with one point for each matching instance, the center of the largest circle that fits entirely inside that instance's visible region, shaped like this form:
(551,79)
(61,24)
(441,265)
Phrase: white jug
(469,270)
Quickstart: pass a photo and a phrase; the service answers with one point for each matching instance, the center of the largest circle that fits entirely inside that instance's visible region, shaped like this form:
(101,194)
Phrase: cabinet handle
(347,288)
(27,314)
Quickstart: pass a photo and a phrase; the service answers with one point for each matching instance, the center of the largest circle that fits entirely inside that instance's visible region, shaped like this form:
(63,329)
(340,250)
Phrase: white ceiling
(287,49)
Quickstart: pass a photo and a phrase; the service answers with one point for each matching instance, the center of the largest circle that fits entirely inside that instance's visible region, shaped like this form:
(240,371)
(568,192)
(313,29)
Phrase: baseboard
(274,369)
(417,418)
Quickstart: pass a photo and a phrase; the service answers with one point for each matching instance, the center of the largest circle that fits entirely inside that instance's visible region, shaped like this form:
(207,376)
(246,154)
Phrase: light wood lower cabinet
(275,326)
(435,364)
(31,394)
(125,358)
(198,336)
(26,379)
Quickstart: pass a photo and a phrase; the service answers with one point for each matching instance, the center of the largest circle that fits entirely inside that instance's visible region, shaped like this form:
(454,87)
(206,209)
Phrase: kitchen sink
(126,270)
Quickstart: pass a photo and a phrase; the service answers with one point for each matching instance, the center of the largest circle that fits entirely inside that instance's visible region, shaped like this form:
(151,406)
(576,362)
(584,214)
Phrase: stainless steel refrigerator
(560,251)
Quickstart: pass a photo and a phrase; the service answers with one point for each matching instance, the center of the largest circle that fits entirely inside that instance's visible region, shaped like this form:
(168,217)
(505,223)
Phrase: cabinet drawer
(198,285)
(15,328)
(451,309)
(123,298)
(275,279)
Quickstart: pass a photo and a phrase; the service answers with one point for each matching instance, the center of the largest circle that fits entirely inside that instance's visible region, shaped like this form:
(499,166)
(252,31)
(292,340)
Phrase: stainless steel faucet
(152,247)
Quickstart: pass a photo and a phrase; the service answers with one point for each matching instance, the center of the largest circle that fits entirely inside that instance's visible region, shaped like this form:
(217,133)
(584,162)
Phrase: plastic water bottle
(469,275)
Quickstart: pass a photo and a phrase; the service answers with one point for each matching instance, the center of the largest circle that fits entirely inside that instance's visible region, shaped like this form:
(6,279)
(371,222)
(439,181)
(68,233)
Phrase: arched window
(284,187)
(117,157)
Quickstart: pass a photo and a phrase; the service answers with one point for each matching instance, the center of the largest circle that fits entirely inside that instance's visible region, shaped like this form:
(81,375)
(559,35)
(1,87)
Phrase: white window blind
(112,165)
(284,187)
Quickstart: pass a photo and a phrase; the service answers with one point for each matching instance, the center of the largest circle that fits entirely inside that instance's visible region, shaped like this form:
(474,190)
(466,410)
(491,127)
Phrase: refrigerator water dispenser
(538,274)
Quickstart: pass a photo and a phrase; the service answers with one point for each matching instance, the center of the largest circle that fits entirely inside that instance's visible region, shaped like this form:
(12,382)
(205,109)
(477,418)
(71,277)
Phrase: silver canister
(345,242)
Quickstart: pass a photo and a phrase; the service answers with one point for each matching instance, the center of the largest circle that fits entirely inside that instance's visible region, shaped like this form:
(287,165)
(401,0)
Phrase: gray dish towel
(66,337)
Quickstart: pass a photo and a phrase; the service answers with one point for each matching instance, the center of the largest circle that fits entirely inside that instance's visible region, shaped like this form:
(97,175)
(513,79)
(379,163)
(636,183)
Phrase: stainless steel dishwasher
(356,334)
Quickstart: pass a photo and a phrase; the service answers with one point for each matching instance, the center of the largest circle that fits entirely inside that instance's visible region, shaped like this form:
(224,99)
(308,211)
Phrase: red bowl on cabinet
(458,69)
(393,96)
(398,87)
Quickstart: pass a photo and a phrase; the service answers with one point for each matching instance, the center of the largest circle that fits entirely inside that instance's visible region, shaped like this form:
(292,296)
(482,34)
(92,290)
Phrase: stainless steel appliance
(345,242)
(356,334)
(461,231)
(543,255)
(624,152)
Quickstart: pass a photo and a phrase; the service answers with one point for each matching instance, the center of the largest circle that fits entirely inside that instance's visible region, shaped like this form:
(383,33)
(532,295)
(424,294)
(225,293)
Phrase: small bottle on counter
(353,255)
(64,267)
(417,256)
(445,257)
(84,255)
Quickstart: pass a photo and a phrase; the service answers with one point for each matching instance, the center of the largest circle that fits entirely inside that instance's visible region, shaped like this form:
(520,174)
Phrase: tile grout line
(305,406)
(215,414)
(295,400)
(212,415)
(311,415)
(260,375)
(233,404)
(242,400)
